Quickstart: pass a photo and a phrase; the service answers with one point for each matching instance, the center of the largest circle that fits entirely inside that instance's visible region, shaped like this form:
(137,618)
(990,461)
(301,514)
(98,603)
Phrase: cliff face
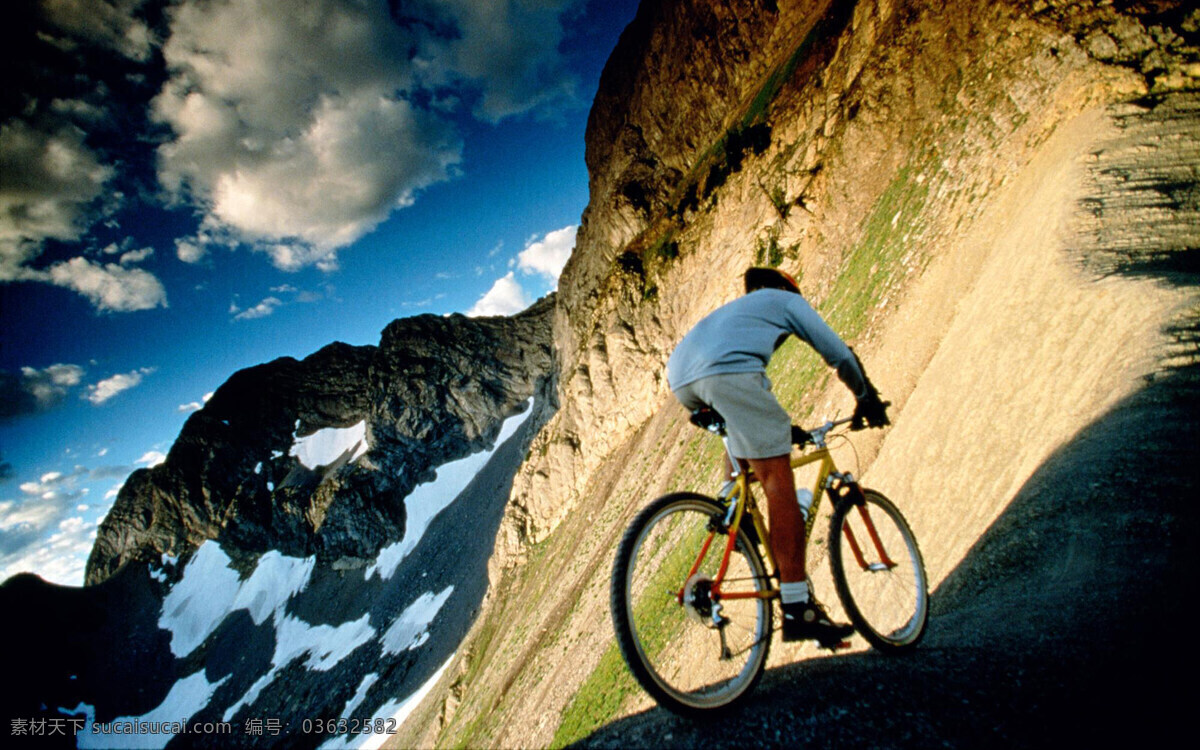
(434,390)
(781,133)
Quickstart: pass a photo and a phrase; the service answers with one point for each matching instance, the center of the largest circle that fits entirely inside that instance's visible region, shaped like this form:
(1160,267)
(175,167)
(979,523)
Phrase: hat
(758,277)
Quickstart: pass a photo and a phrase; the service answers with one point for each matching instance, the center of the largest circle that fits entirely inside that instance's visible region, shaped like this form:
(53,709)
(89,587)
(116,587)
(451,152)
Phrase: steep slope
(921,167)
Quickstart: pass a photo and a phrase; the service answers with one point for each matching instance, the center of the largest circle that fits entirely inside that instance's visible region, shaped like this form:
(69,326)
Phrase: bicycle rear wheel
(663,611)
(878,571)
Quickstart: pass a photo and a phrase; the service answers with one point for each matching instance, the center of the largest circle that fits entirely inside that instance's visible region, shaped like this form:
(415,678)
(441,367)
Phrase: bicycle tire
(675,655)
(888,605)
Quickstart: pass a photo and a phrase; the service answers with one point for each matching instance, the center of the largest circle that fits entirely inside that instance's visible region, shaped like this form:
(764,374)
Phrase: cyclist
(721,363)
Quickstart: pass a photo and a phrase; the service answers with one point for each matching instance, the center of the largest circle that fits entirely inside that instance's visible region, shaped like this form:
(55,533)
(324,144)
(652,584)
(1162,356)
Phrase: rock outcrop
(433,390)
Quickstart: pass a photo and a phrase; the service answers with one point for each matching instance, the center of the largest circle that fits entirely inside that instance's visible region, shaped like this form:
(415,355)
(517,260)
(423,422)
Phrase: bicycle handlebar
(816,435)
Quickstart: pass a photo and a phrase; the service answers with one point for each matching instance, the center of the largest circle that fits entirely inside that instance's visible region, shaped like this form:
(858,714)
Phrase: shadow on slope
(1066,620)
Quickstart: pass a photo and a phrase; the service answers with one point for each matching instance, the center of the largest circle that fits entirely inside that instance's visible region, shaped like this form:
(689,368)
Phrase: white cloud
(506,297)
(297,154)
(111,24)
(261,310)
(34,390)
(291,127)
(36,533)
(109,387)
(41,530)
(53,487)
(56,184)
(294,128)
(51,180)
(110,287)
(136,256)
(59,558)
(509,50)
(548,255)
(196,405)
(150,459)
(49,386)
(543,257)
(190,250)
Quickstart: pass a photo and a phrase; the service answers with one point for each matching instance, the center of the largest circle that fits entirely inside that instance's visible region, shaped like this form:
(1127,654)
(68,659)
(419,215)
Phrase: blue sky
(188,188)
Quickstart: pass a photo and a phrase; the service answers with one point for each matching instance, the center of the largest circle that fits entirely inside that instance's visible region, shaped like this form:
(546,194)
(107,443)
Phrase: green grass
(659,619)
(873,268)
(598,699)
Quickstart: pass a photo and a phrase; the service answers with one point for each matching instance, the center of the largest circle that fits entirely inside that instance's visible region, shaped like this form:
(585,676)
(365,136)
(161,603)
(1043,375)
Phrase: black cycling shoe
(803,621)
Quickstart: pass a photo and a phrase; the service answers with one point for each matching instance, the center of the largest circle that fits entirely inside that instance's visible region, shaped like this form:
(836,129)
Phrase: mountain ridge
(435,389)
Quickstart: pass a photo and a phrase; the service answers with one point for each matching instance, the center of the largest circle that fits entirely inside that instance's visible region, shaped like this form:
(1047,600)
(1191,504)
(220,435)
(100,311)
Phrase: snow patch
(323,447)
(275,579)
(427,500)
(324,645)
(185,699)
(395,710)
(196,605)
(411,628)
(210,590)
(359,695)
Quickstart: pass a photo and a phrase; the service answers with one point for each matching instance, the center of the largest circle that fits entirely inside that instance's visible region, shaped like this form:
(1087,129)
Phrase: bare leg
(786,520)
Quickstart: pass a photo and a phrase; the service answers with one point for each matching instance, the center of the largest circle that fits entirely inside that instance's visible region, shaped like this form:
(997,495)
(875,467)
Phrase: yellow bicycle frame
(743,502)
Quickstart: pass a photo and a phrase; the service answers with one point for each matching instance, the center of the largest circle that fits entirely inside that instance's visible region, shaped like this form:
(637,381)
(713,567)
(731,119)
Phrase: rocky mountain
(285,563)
(996,204)
(434,390)
(796,133)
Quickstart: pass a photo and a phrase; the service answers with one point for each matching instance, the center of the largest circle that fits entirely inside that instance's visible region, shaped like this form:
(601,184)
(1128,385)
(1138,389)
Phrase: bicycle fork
(844,488)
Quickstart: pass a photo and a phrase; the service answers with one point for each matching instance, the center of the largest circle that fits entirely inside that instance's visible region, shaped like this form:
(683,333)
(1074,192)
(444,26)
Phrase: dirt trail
(1046,456)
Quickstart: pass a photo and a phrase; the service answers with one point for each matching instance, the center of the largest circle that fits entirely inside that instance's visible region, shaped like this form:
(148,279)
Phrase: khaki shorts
(757,425)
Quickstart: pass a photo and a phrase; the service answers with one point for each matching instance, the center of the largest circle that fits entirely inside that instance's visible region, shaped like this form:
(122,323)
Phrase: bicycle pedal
(835,646)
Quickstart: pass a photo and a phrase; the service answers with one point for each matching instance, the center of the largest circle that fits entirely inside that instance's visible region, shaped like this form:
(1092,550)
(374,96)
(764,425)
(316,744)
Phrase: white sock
(793,592)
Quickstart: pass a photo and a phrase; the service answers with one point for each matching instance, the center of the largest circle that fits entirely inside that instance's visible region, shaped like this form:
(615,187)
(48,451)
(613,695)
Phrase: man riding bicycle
(721,363)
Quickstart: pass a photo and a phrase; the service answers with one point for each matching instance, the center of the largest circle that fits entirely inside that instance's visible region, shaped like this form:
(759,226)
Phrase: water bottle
(804,496)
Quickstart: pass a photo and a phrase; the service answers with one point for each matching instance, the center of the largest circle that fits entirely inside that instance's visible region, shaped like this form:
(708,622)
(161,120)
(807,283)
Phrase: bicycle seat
(709,419)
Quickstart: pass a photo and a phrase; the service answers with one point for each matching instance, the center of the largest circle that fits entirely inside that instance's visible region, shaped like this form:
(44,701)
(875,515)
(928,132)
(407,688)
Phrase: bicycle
(694,623)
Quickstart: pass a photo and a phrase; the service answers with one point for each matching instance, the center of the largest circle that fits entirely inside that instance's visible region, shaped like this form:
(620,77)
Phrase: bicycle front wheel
(691,649)
(878,572)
